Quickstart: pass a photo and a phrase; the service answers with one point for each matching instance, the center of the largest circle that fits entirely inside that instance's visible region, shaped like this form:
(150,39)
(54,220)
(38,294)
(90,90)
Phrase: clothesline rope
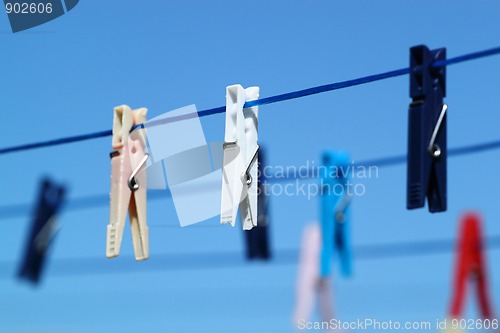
(233,259)
(16,210)
(263,101)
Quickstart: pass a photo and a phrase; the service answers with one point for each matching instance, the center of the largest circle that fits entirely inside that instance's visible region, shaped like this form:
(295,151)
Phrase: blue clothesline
(230,259)
(103,199)
(262,101)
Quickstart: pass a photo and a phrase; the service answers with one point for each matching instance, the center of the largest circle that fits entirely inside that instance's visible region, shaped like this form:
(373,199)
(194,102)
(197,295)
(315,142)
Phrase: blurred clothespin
(128,182)
(309,282)
(239,179)
(257,239)
(427,148)
(470,267)
(43,230)
(335,211)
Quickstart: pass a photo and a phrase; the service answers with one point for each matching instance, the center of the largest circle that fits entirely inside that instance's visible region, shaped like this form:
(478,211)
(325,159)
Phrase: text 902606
(28,8)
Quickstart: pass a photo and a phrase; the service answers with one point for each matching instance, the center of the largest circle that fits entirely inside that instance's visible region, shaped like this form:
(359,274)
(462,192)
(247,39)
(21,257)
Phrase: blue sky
(64,78)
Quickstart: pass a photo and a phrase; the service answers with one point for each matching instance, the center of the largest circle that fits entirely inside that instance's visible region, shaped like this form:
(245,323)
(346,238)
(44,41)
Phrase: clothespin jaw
(257,239)
(43,229)
(427,146)
(239,179)
(128,183)
(335,211)
(470,266)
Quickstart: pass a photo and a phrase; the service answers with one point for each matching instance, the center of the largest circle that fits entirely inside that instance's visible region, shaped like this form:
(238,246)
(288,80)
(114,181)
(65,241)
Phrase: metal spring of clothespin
(133,185)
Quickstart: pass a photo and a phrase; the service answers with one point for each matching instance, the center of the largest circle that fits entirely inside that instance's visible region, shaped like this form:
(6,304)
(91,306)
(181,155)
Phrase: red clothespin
(470,265)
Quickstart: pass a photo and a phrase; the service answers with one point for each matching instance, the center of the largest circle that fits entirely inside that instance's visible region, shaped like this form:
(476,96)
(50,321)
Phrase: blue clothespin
(427,130)
(257,239)
(43,229)
(335,211)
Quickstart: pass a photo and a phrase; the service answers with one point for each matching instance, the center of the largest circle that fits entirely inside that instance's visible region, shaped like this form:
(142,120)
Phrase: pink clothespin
(128,182)
(309,282)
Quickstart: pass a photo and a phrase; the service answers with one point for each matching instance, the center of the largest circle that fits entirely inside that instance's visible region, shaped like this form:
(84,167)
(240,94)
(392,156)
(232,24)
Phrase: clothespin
(43,230)
(470,266)
(257,239)
(128,182)
(427,149)
(310,285)
(335,211)
(239,179)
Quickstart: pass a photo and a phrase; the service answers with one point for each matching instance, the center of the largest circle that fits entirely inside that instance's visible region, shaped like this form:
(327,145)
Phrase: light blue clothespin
(335,211)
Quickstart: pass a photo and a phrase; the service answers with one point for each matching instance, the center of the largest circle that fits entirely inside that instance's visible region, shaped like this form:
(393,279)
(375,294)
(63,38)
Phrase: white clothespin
(128,183)
(239,179)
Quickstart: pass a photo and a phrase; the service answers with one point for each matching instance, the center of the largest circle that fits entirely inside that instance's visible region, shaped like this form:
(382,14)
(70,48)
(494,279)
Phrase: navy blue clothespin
(427,130)
(335,203)
(43,229)
(257,239)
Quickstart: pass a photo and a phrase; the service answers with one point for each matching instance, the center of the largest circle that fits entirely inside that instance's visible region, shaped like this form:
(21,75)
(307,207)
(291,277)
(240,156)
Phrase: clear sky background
(64,78)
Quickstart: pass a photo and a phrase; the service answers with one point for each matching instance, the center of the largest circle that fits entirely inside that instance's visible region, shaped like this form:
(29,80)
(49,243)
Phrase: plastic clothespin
(239,179)
(470,266)
(43,230)
(257,239)
(335,211)
(427,149)
(128,182)
(310,285)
